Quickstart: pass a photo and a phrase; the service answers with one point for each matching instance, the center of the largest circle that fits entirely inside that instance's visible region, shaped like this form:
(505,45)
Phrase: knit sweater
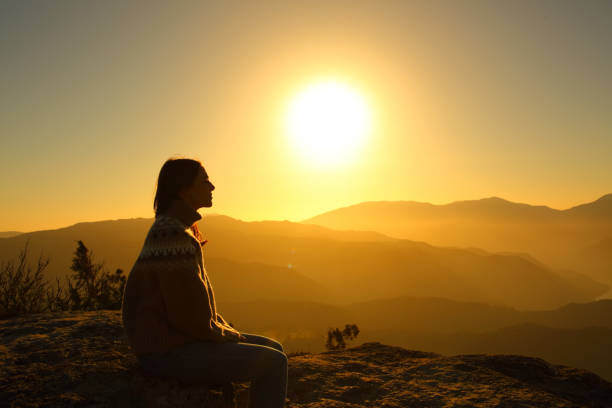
(168,298)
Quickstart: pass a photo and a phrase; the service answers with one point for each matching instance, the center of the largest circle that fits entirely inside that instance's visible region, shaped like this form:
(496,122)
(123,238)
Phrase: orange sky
(468,100)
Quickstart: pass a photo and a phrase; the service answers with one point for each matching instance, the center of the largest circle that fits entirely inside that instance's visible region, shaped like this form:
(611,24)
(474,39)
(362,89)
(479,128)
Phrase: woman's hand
(232,335)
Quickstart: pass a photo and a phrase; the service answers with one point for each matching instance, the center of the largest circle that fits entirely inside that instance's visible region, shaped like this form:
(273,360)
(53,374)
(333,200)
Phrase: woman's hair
(175,175)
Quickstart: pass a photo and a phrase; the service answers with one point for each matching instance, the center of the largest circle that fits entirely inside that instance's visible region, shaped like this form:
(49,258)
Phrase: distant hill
(587,348)
(117,242)
(432,315)
(595,257)
(8,234)
(317,264)
(363,270)
(240,282)
(449,316)
(220,224)
(598,210)
(574,315)
(577,334)
(493,208)
(563,239)
(285,316)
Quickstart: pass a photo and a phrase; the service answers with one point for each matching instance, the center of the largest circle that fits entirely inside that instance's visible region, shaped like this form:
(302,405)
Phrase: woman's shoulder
(168,236)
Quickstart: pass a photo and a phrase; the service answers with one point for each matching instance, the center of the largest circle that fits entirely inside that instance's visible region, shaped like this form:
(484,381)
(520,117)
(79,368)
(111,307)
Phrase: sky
(468,100)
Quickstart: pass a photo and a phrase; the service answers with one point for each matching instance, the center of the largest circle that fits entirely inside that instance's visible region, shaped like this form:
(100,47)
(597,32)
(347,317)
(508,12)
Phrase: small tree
(82,283)
(336,338)
(22,287)
(91,287)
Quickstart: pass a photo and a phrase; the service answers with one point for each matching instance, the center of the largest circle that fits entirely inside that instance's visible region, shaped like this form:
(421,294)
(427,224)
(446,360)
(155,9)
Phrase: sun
(328,122)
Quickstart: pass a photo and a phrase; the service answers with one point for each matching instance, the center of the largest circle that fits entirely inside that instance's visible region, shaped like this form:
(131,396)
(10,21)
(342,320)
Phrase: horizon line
(19,232)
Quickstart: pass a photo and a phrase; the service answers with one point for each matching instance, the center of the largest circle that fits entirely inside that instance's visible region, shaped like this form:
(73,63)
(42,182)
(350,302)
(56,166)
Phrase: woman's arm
(187,305)
(221,320)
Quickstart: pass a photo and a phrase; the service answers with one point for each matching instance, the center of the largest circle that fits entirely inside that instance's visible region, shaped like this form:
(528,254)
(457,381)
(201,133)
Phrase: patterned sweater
(168,299)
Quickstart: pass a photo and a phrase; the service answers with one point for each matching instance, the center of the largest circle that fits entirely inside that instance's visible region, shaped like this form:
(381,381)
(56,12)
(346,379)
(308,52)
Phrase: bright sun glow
(328,122)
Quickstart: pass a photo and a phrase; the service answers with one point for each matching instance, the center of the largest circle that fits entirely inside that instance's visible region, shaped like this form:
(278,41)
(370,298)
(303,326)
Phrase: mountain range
(472,277)
(579,238)
(325,265)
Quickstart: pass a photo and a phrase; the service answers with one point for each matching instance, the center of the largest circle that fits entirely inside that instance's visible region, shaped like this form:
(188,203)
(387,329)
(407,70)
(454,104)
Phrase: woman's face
(199,194)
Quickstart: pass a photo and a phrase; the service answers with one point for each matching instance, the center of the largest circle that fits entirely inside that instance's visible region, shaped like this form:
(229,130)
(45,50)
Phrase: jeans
(258,359)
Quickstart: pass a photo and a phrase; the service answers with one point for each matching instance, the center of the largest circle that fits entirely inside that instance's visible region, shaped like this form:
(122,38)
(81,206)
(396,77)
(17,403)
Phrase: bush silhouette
(22,287)
(336,338)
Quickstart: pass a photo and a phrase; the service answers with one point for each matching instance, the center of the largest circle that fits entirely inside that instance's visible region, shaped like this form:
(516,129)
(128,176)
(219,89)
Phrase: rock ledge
(82,359)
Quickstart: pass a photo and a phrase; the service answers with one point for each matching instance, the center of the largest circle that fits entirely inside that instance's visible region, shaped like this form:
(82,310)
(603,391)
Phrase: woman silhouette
(169,311)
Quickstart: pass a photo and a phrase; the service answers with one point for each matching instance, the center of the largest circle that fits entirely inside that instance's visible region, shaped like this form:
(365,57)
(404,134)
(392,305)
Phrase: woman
(169,310)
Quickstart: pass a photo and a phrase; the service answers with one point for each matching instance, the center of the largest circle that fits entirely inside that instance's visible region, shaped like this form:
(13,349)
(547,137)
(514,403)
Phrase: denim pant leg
(204,362)
(262,341)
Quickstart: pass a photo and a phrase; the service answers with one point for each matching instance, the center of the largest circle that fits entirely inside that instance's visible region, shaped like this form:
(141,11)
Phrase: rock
(376,375)
(82,359)
(148,391)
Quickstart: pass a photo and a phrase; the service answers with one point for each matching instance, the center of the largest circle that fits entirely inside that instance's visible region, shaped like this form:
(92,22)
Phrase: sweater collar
(180,210)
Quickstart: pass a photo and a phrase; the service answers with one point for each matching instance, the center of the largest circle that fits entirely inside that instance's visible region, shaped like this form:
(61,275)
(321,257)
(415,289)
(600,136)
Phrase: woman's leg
(262,341)
(217,363)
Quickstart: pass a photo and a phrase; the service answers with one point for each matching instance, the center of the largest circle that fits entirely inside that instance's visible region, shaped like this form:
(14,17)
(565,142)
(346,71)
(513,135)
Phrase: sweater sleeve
(187,304)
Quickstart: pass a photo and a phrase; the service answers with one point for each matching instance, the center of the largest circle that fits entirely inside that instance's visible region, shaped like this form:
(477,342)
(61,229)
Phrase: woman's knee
(281,361)
(263,341)
(275,344)
(275,359)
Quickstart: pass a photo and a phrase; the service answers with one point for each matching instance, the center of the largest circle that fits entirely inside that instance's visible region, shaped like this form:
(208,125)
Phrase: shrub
(336,338)
(298,353)
(22,287)
(56,298)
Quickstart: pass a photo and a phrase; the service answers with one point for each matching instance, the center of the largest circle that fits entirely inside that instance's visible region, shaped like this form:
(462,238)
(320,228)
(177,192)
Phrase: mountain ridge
(340,261)
(603,200)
